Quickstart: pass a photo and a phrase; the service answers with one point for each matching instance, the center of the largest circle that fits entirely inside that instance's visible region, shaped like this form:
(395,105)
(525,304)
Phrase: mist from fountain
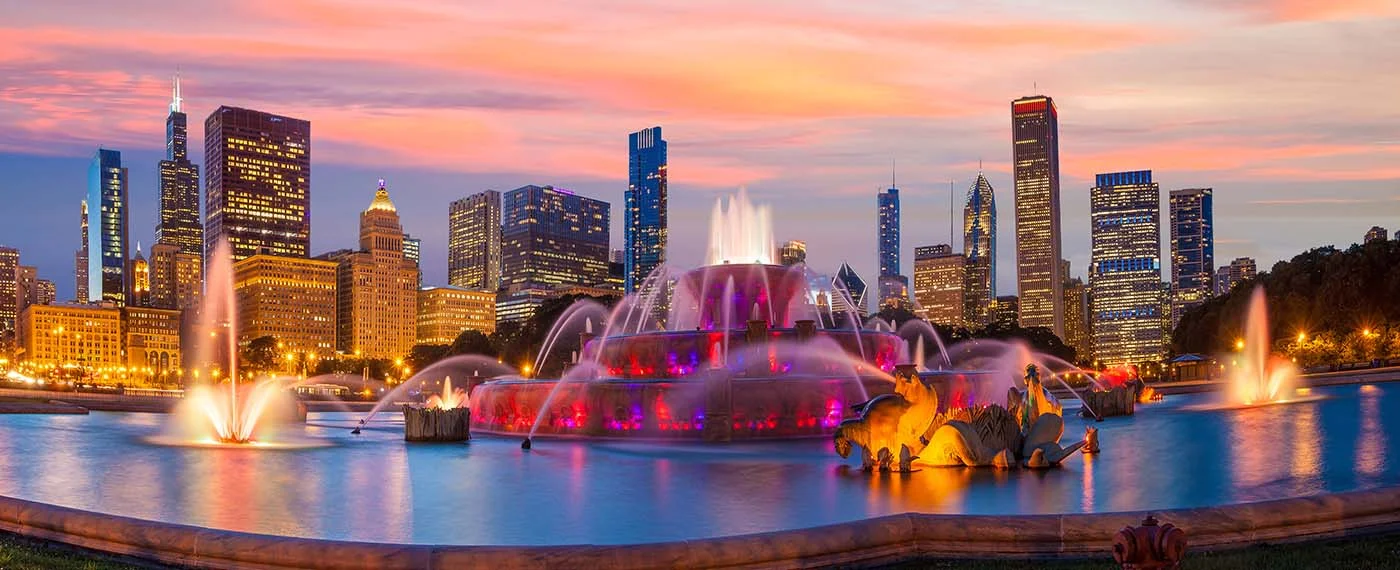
(740,232)
(228,413)
(1259,379)
(451,398)
(918,331)
(463,365)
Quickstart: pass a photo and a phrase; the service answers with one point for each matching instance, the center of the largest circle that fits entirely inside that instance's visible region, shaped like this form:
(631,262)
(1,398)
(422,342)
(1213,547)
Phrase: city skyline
(1203,130)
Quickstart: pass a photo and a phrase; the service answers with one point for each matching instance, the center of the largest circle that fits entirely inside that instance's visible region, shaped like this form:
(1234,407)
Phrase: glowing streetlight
(1239,344)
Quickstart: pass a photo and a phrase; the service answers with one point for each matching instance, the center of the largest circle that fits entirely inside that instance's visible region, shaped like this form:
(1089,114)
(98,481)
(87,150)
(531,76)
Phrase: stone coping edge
(865,542)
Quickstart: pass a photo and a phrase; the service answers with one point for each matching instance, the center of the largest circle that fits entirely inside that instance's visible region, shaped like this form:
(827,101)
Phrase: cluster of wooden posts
(433,424)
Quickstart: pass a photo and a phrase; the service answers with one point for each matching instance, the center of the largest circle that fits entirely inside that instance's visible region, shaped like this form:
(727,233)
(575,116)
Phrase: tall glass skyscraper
(847,279)
(552,236)
(474,241)
(108,215)
(1035,155)
(888,204)
(80,260)
(980,251)
(1193,249)
(258,183)
(644,234)
(1126,271)
(179,222)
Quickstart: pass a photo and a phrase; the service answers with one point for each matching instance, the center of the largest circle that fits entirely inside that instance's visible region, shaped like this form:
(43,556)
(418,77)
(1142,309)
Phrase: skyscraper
(80,262)
(377,288)
(48,293)
(179,184)
(175,277)
(9,307)
(1193,249)
(644,234)
(1077,333)
(258,183)
(888,255)
(939,278)
(138,280)
(793,252)
(1239,269)
(1126,270)
(980,251)
(107,237)
(1036,160)
(474,241)
(552,236)
(848,281)
(291,299)
(412,249)
(26,280)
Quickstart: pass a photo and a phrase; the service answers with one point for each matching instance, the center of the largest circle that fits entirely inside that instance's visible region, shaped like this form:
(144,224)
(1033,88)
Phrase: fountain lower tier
(714,406)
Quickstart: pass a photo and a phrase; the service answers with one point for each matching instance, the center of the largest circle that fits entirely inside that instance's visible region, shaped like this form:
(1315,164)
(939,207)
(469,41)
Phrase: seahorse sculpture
(907,425)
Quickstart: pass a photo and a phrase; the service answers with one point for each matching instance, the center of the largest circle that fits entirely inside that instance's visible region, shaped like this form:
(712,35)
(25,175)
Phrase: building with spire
(377,287)
(108,228)
(179,222)
(138,281)
(1035,154)
(644,233)
(80,261)
(980,251)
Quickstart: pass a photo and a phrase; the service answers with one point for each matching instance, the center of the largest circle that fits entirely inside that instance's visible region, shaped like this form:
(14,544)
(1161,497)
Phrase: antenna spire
(892,184)
(176,101)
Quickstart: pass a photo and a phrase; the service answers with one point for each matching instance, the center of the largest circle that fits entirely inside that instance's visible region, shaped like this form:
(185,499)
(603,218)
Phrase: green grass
(19,553)
(1352,554)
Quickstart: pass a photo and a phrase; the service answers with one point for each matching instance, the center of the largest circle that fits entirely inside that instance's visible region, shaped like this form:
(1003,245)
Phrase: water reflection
(374,487)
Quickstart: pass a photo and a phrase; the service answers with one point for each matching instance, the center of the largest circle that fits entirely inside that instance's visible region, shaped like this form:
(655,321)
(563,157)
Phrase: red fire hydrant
(1149,547)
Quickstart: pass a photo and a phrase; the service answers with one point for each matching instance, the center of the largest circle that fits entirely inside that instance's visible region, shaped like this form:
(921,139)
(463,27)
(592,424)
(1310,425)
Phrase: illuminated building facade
(553,237)
(444,312)
(848,281)
(894,292)
(9,309)
(377,288)
(75,336)
(1376,233)
(980,251)
(1193,249)
(887,204)
(1036,163)
(939,278)
(1126,270)
(1006,312)
(48,292)
(80,261)
(474,241)
(138,280)
(107,227)
(175,277)
(644,233)
(1077,333)
(1227,276)
(258,187)
(412,249)
(151,338)
(179,222)
(291,299)
(793,252)
(26,289)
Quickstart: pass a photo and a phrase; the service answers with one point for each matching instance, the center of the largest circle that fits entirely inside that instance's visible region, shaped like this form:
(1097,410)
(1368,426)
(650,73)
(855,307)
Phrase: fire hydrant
(1149,547)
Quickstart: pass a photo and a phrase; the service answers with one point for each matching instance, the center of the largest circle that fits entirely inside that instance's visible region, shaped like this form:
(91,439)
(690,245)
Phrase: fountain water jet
(1259,379)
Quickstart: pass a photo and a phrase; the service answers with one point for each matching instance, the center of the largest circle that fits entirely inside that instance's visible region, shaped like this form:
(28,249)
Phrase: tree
(896,316)
(471,342)
(260,354)
(424,355)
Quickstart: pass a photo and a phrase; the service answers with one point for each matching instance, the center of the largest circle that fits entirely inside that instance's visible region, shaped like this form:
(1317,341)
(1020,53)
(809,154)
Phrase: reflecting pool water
(374,487)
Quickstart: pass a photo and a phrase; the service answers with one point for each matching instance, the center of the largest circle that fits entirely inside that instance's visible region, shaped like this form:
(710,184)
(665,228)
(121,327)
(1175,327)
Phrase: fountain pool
(374,487)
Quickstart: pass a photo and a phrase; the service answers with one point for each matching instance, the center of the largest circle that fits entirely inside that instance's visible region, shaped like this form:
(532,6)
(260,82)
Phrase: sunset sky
(1288,108)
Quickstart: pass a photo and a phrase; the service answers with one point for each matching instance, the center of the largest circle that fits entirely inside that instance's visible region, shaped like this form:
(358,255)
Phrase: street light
(1239,344)
(1302,336)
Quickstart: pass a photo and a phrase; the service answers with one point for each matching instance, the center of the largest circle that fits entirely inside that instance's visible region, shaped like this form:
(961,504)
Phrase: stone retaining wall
(872,541)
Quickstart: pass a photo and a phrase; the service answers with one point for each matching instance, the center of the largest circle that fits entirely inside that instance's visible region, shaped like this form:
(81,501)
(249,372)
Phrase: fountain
(735,349)
(1259,377)
(234,412)
(443,418)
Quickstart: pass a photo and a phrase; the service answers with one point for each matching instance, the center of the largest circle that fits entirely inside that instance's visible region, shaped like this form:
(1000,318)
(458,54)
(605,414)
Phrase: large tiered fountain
(740,348)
